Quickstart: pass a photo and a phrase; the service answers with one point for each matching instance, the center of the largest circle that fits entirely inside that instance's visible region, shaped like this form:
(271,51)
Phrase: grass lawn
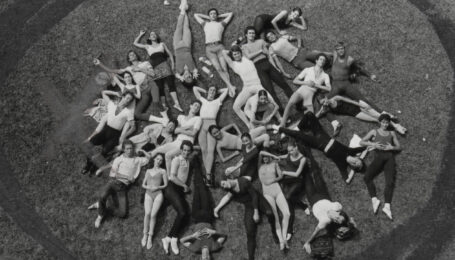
(54,83)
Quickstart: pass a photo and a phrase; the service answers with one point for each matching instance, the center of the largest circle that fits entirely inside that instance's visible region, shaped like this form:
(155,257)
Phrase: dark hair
(190,84)
(267,32)
(235,48)
(173,120)
(163,164)
(158,38)
(298,9)
(340,44)
(262,92)
(132,78)
(127,142)
(292,142)
(128,92)
(187,143)
(249,28)
(128,56)
(213,9)
(213,127)
(384,117)
(246,135)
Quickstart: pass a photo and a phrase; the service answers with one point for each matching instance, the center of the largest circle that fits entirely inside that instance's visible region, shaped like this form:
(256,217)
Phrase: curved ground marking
(17,35)
(421,225)
(425,233)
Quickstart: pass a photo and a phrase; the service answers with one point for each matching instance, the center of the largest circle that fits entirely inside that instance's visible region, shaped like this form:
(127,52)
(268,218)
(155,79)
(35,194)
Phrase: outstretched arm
(138,38)
(225,158)
(223,202)
(97,62)
(278,17)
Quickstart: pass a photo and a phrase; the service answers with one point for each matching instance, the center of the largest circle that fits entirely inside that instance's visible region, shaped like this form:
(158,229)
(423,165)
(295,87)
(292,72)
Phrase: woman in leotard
(261,109)
(359,109)
(185,68)
(208,113)
(154,135)
(340,154)
(294,166)
(269,175)
(228,141)
(385,144)
(154,181)
(248,165)
(268,72)
(247,71)
(162,72)
(242,191)
(213,30)
(280,21)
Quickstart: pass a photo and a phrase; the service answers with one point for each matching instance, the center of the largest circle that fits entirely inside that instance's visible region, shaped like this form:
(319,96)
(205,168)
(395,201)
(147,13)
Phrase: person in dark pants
(256,50)
(205,239)
(339,153)
(125,169)
(113,128)
(174,193)
(385,144)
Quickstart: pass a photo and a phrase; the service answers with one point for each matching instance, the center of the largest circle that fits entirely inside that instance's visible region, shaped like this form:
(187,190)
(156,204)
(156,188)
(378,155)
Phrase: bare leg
(154,212)
(284,208)
(278,231)
(148,208)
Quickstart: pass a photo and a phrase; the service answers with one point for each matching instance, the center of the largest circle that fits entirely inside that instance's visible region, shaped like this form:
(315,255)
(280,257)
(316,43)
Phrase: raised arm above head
(201,18)
(281,15)
(233,125)
(197,92)
(227,17)
(138,38)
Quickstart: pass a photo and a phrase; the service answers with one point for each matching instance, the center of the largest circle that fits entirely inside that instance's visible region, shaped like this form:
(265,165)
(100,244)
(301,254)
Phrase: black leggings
(202,210)
(268,74)
(169,81)
(176,197)
(293,189)
(346,88)
(251,226)
(150,93)
(339,153)
(383,160)
(118,191)
(108,137)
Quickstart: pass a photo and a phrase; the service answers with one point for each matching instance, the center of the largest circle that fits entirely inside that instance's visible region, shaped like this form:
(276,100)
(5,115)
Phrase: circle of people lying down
(286,178)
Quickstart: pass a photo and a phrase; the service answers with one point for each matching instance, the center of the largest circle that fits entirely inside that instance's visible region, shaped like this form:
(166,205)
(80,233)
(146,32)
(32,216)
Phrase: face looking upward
(251,35)
(211,93)
(271,37)
(237,55)
(213,15)
(158,161)
(128,150)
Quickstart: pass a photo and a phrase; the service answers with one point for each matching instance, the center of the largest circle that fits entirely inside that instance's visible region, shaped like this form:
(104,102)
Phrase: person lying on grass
(204,239)
(261,109)
(280,21)
(125,170)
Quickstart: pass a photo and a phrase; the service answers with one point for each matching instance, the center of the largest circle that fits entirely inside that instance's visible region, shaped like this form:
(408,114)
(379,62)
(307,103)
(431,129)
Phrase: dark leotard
(344,108)
(263,22)
(250,162)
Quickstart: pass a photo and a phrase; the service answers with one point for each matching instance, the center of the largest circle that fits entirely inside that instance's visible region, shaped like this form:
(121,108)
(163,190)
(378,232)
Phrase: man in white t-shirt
(114,127)
(310,80)
(125,170)
(187,129)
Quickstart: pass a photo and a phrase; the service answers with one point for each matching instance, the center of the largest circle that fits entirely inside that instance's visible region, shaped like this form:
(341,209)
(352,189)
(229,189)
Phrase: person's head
(205,253)
(263,97)
(384,121)
(215,132)
(153,37)
(128,78)
(195,107)
(213,14)
(266,159)
(211,93)
(292,147)
(132,56)
(171,125)
(340,48)
(127,98)
(295,13)
(250,33)
(235,53)
(355,163)
(338,217)
(325,101)
(321,60)
(188,79)
(270,36)
(128,148)
(226,184)
(186,148)
(246,139)
(158,161)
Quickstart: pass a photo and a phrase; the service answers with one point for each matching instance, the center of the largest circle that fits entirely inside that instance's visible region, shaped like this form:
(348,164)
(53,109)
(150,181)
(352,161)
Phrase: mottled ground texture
(42,123)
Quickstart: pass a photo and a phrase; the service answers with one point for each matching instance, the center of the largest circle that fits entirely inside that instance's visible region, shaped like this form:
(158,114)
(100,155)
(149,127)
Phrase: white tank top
(151,49)
(284,49)
(247,72)
(213,31)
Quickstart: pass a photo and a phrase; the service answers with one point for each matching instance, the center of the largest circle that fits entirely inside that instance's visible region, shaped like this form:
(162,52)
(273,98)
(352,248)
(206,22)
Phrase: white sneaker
(166,2)
(166,242)
(388,212)
(144,240)
(174,246)
(98,221)
(375,203)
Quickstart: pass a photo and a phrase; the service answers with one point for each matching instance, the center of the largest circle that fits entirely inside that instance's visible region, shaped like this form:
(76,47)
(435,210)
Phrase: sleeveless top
(157,54)
(292,166)
(213,31)
(340,70)
(247,72)
(383,139)
(267,21)
(154,176)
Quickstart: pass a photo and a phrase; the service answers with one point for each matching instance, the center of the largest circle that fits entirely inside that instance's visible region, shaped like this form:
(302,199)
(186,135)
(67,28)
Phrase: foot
(307,211)
(215,213)
(400,129)
(375,202)
(149,242)
(166,242)
(282,246)
(144,240)
(350,177)
(288,236)
(388,212)
(166,2)
(93,206)
(174,246)
(337,129)
(98,221)
(177,106)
